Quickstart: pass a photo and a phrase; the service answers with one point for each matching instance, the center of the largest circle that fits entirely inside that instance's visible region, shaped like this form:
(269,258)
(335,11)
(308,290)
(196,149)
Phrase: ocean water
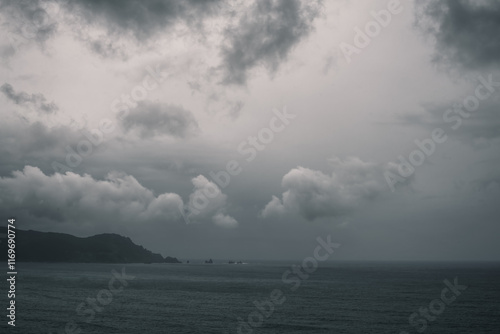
(220,298)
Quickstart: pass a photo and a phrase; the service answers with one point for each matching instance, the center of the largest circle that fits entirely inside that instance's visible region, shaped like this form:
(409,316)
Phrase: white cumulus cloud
(314,194)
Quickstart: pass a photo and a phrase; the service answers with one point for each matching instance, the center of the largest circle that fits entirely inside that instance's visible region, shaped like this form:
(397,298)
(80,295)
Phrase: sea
(255,297)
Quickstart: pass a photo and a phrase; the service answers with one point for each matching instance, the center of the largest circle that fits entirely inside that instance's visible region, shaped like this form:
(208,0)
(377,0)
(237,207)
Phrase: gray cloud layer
(34,101)
(29,19)
(154,119)
(132,180)
(473,119)
(265,32)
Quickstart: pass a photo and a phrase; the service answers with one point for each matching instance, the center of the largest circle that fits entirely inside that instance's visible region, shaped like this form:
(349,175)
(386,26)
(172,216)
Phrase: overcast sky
(245,130)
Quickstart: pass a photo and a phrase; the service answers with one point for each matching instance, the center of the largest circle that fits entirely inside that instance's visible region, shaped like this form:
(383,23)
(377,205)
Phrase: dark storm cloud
(466,32)
(265,36)
(35,101)
(154,119)
(143,19)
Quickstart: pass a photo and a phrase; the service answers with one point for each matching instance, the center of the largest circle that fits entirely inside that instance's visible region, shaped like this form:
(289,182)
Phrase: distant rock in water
(170,259)
(34,246)
(209,261)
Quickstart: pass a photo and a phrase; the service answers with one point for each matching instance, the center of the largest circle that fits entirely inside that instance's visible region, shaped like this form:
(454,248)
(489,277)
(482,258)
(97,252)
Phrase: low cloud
(223,220)
(118,198)
(73,198)
(207,201)
(313,194)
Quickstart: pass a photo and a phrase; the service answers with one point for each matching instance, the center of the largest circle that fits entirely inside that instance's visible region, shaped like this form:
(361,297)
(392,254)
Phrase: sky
(247,129)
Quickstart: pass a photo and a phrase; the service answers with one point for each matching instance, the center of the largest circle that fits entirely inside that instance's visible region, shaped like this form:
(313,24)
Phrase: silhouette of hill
(34,246)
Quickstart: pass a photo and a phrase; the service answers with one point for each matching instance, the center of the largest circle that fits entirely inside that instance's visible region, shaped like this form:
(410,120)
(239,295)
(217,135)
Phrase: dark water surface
(197,298)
